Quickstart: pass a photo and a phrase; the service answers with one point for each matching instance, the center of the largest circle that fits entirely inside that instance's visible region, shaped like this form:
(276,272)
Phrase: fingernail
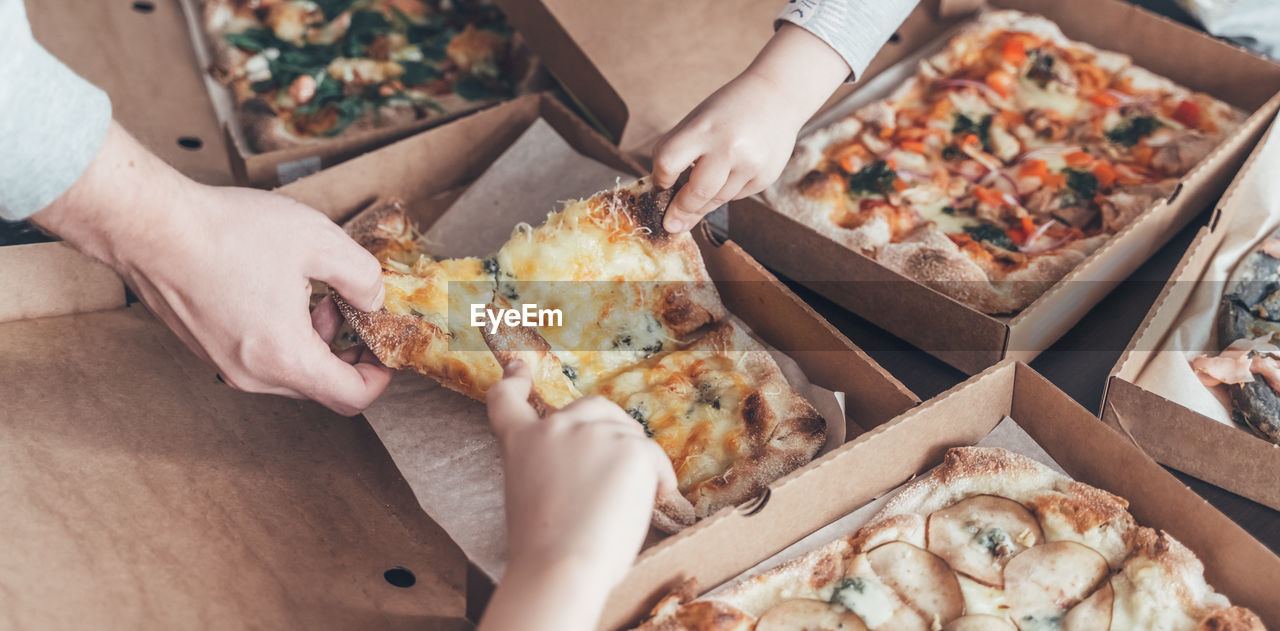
(514,365)
(675,225)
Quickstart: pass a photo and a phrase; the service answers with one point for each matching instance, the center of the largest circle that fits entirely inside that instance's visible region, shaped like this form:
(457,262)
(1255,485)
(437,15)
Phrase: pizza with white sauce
(988,541)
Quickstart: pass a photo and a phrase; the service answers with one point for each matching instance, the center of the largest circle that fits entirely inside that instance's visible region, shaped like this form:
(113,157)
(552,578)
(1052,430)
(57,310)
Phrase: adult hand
(229,270)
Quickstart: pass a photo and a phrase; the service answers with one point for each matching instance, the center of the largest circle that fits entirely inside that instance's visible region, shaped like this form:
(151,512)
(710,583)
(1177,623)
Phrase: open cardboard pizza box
(640,66)
(841,482)
(148,55)
(143,55)
(429,172)
(1153,396)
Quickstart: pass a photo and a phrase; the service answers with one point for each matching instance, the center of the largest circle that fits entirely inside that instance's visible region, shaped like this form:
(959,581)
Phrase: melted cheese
(591,262)
(979,598)
(691,402)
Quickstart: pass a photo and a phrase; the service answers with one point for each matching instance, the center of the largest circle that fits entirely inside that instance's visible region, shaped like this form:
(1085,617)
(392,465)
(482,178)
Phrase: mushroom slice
(922,579)
(979,622)
(1093,613)
(805,614)
(978,535)
(1043,582)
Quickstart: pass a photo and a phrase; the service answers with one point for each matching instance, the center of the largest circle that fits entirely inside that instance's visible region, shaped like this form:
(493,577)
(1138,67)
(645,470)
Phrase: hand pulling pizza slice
(642,326)
(990,540)
(1009,157)
(1248,321)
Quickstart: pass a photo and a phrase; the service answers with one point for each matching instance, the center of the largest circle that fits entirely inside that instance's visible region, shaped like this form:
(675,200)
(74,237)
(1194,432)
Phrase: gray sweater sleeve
(856,29)
(52,122)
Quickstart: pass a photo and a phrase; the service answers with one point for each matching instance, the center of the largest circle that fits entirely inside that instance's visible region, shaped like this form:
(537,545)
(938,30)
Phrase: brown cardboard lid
(140,492)
(141,54)
(641,66)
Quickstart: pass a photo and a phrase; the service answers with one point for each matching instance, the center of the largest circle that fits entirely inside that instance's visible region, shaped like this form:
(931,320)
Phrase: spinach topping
(981,129)
(874,179)
(1041,69)
(365,27)
(473,88)
(992,234)
(948,210)
(950,153)
(333,8)
(637,414)
(287,61)
(1131,131)
(254,40)
(1083,183)
(570,372)
(417,73)
(652,348)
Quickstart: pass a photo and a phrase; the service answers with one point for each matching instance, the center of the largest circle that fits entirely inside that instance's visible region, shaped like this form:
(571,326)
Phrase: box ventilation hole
(895,38)
(144,6)
(190,143)
(400,577)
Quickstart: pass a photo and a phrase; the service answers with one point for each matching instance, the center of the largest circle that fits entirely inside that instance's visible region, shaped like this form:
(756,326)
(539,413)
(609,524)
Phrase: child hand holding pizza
(580,488)
(739,139)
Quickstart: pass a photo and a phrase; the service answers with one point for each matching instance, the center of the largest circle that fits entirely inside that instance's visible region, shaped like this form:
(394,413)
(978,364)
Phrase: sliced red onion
(1036,154)
(913,174)
(981,158)
(1013,186)
(1010,199)
(1044,248)
(1039,232)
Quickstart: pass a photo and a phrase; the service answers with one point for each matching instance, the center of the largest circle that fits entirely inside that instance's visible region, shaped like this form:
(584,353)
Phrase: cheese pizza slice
(641,325)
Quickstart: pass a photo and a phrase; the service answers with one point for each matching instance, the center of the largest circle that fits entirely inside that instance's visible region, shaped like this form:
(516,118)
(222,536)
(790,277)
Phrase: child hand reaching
(580,489)
(739,139)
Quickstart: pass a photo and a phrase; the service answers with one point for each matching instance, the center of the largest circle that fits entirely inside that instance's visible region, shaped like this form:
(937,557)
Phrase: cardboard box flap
(142,493)
(141,54)
(50,279)
(641,66)
(419,171)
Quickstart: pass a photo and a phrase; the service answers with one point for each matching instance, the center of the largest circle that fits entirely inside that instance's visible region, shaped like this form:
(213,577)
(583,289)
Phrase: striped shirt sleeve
(856,29)
(52,121)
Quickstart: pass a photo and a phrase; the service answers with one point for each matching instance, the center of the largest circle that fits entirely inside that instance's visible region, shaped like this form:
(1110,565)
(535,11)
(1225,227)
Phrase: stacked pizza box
(888,513)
